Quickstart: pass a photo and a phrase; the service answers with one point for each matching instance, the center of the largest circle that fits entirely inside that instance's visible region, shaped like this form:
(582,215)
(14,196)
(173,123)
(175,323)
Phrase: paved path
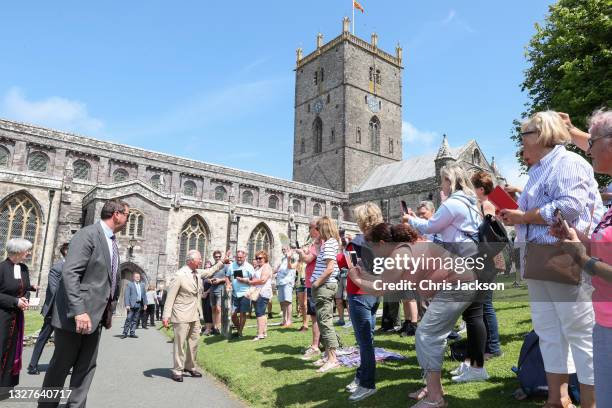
(134,373)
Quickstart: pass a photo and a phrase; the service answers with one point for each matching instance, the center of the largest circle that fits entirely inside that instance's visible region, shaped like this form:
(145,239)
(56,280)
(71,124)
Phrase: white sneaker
(361,393)
(352,387)
(459,370)
(472,374)
(310,353)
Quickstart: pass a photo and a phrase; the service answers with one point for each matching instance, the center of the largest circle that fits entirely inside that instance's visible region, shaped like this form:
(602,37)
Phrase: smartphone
(354,258)
(404,207)
(238,273)
(560,221)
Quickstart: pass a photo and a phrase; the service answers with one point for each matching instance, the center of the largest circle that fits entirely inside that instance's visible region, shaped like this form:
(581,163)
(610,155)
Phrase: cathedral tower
(348,117)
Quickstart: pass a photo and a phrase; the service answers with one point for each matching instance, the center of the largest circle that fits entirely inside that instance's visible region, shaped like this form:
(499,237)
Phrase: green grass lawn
(33,321)
(270,372)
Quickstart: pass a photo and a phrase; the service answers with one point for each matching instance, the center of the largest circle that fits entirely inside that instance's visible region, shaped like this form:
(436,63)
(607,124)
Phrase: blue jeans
(362,310)
(130,322)
(602,363)
(490,320)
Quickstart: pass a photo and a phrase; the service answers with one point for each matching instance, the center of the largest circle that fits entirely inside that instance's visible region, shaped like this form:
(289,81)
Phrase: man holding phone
(240,268)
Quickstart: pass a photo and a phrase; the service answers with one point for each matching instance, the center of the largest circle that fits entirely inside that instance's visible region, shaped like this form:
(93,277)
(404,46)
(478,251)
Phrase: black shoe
(133,336)
(193,373)
(177,378)
(409,329)
(215,332)
(33,371)
(270,315)
(454,336)
(123,336)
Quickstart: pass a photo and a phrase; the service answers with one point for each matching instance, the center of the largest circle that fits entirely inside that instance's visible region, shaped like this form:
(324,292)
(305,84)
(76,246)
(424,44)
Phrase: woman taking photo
(263,281)
(560,184)
(14,283)
(324,287)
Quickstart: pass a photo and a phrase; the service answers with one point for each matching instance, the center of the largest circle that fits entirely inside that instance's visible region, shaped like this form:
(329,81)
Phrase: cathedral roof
(409,170)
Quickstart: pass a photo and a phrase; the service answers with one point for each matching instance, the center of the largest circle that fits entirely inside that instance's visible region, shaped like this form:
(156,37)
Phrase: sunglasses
(259,258)
(592,141)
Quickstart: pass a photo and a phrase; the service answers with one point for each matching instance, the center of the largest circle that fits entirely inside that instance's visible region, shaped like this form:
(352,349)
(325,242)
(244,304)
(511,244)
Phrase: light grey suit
(85,288)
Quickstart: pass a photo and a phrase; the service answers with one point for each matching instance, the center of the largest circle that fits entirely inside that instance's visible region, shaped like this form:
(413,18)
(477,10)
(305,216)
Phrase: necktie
(114,266)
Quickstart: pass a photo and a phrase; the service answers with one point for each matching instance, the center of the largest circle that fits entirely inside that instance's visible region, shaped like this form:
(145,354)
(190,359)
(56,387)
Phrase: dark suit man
(135,302)
(88,290)
(55,275)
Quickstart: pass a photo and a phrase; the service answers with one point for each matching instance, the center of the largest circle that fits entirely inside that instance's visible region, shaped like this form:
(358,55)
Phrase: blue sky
(215,81)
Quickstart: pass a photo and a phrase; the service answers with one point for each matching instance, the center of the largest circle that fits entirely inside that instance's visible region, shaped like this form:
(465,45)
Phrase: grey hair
(17,245)
(600,123)
(427,204)
(191,255)
(241,251)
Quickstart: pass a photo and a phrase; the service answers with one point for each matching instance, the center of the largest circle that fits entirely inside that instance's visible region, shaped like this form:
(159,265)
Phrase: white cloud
(451,16)
(54,112)
(510,168)
(410,134)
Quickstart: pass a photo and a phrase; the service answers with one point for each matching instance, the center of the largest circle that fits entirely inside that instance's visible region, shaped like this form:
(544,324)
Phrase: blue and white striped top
(560,180)
(329,250)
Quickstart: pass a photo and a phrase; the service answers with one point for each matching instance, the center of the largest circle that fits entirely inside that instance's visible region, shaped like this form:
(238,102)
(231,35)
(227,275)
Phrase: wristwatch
(589,266)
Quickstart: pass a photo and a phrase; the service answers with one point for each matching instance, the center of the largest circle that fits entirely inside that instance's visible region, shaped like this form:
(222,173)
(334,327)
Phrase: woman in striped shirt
(324,286)
(564,181)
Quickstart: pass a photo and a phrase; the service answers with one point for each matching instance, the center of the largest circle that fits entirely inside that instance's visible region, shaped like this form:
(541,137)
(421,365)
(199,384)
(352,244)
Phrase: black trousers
(148,315)
(159,311)
(43,337)
(76,351)
(476,333)
(391,315)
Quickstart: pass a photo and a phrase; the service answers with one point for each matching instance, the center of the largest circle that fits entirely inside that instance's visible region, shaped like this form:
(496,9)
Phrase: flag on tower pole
(357,6)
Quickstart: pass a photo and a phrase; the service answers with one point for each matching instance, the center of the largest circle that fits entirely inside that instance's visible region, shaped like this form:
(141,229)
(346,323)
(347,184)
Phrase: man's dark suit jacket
(55,275)
(85,286)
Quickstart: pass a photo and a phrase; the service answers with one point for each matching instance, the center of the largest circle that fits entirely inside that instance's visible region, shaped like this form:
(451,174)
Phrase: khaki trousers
(185,357)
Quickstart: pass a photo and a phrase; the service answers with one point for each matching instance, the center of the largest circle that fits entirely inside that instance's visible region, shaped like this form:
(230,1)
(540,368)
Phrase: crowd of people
(559,207)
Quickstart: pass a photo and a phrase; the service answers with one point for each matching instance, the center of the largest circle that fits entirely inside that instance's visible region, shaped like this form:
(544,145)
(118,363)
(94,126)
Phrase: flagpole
(353,3)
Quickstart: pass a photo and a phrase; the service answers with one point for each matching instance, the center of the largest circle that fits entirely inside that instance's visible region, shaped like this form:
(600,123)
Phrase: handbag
(551,263)
(253,293)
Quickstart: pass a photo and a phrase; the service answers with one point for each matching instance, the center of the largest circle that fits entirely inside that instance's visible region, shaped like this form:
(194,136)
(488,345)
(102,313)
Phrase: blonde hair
(458,178)
(262,254)
(367,216)
(328,229)
(551,129)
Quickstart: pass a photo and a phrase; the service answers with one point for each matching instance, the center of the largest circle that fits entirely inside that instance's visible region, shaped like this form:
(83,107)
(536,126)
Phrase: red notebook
(502,200)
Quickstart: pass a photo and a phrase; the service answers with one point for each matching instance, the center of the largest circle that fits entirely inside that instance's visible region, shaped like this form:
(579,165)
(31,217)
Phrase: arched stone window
(297,206)
(194,235)
(317,135)
(377,77)
(38,161)
(5,155)
(82,170)
(19,218)
(189,188)
(476,157)
(156,182)
(260,240)
(135,225)
(247,197)
(371,74)
(120,175)
(316,210)
(375,134)
(220,193)
(273,202)
(335,213)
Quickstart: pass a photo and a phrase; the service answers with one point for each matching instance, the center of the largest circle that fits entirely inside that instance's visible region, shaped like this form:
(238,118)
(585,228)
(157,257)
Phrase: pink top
(601,247)
(310,267)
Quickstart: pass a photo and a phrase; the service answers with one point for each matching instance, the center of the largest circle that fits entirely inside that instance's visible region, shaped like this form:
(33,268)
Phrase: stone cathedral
(347,150)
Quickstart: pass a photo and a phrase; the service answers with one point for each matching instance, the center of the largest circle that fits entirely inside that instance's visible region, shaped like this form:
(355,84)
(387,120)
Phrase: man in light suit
(135,301)
(55,275)
(184,309)
(84,302)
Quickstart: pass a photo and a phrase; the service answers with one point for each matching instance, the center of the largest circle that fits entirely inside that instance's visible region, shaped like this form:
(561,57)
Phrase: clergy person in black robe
(14,283)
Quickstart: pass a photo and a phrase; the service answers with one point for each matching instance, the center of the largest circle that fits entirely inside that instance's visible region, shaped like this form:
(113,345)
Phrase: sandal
(328,366)
(303,329)
(418,394)
(320,362)
(424,403)
(565,403)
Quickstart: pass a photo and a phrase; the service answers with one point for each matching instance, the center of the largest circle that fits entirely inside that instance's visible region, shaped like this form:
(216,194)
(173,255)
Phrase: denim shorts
(261,306)
(285,293)
(311,309)
(241,304)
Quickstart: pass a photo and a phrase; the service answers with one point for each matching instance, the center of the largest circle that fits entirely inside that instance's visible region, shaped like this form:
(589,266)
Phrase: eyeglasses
(592,141)
(123,212)
(527,133)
